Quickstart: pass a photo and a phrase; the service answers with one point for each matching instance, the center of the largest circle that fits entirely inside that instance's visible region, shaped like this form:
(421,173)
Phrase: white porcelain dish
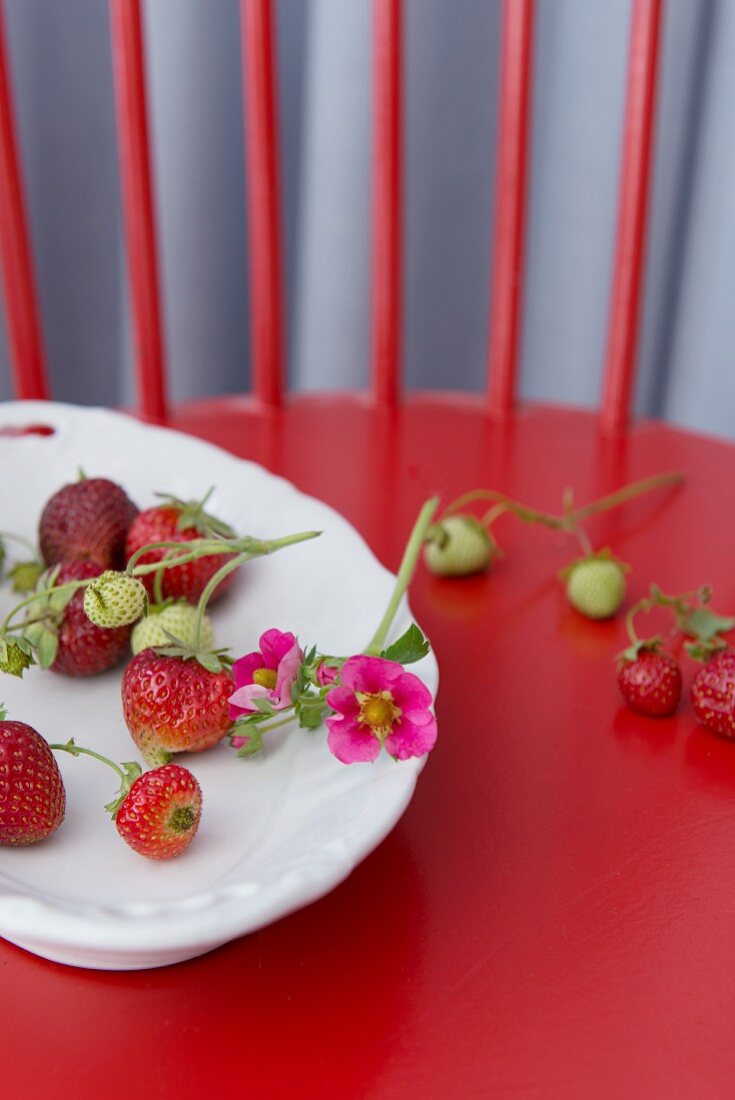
(279,830)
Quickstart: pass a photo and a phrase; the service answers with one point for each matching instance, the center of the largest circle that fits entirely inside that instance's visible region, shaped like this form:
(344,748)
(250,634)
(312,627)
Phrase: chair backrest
(264,211)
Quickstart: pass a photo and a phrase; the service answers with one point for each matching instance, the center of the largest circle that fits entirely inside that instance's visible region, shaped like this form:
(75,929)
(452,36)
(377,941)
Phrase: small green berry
(459,546)
(178,619)
(114,599)
(596,587)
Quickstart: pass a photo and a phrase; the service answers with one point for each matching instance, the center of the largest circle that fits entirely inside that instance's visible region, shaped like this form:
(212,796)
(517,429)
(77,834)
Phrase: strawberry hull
(174,705)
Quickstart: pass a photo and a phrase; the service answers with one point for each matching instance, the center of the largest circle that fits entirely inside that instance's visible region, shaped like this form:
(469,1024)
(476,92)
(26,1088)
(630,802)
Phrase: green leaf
(705,624)
(210,661)
(410,647)
(59,600)
(47,646)
(264,706)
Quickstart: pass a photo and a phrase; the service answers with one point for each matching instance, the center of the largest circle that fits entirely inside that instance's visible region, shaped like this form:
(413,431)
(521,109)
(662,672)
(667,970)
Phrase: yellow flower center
(378,711)
(265,677)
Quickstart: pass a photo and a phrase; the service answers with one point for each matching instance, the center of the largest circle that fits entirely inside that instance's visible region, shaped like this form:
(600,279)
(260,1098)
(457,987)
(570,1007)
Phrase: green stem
(209,588)
(76,750)
(621,496)
(256,549)
(70,585)
(405,573)
(23,541)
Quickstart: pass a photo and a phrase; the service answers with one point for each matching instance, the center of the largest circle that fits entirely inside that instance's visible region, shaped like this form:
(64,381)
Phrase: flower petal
(410,694)
(274,645)
(287,671)
(349,742)
(244,667)
(369,674)
(241,701)
(409,739)
(344,701)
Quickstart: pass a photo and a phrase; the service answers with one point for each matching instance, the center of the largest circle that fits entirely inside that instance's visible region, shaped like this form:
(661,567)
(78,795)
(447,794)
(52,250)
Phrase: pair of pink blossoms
(376,703)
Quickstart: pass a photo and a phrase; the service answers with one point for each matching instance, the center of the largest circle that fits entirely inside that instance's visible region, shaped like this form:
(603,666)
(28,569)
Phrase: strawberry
(86,521)
(177,521)
(596,585)
(459,546)
(713,693)
(177,619)
(173,704)
(116,599)
(160,815)
(83,648)
(156,813)
(32,796)
(650,681)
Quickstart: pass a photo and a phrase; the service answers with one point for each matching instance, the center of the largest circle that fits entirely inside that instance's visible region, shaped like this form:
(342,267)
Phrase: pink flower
(268,673)
(379,703)
(326,674)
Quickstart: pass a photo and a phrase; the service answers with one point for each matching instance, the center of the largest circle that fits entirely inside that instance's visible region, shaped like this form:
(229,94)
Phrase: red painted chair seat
(553,916)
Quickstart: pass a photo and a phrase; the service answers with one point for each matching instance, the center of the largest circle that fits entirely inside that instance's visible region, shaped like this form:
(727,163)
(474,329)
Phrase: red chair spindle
(24,327)
(510,204)
(137,198)
(387,201)
(263,199)
(627,282)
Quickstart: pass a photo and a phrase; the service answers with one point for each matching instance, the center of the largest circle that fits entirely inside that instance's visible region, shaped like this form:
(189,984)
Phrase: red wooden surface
(22,317)
(627,287)
(511,171)
(136,173)
(263,199)
(554,915)
(387,199)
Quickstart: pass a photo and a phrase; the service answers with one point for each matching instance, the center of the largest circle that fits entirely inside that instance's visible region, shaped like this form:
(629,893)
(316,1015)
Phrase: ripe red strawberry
(713,693)
(175,521)
(156,813)
(86,521)
(651,682)
(32,796)
(86,649)
(160,815)
(172,704)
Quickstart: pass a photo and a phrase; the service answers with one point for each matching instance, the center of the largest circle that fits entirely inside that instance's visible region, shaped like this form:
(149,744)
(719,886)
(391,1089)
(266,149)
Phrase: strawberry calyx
(193,515)
(213,660)
(128,772)
(704,648)
(640,645)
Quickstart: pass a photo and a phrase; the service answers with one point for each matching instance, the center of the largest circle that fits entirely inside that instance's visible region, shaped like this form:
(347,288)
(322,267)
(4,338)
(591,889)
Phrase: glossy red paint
(506,296)
(387,294)
(23,319)
(136,176)
(554,915)
(635,186)
(263,199)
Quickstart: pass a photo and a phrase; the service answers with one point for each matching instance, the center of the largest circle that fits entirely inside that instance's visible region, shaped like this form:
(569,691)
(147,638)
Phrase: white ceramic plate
(277,831)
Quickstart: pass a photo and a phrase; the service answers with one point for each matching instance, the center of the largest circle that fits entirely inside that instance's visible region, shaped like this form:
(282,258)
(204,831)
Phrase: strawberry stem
(69,586)
(405,573)
(77,750)
(23,541)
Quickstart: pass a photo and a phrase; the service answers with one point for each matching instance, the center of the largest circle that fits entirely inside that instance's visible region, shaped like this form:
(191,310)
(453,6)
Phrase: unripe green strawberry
(114,599)
(178,619)
(459,546)
(596,586)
